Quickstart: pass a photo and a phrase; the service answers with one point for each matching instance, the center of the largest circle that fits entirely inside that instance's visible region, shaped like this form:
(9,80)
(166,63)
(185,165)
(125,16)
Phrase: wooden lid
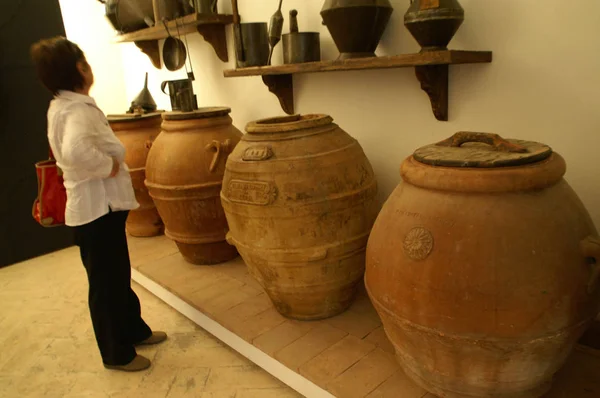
(199,113)
(130,117)
(482,150)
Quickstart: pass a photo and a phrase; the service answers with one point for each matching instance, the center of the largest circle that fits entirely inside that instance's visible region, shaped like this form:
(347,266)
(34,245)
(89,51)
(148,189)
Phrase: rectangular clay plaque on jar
(251,192)
(257,153)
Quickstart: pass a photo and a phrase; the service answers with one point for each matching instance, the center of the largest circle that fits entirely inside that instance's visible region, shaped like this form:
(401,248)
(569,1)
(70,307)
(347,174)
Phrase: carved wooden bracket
(151,49)
(434,81)
(215,35)
(283,87)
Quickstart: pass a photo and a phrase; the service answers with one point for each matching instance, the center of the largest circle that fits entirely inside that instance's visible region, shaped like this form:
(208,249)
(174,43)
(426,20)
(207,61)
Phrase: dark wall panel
(23,106)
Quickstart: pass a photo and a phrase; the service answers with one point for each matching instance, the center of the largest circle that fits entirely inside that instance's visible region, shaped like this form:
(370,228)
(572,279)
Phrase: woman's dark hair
(55,61)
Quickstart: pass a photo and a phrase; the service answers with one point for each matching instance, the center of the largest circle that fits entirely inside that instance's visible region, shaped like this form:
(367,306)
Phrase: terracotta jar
(136,132)
(184,173)
(478,266)
(299,195)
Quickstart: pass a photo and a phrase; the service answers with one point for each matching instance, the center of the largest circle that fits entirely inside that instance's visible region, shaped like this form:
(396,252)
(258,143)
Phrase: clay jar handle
(590,248)
(218,148)
(499,143)
(148,145)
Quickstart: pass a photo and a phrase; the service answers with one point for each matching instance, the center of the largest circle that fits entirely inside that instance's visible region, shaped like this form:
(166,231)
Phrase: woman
(99,197)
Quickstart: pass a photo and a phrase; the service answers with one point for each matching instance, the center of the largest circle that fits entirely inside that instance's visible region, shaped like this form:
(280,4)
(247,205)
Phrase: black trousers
(114,306)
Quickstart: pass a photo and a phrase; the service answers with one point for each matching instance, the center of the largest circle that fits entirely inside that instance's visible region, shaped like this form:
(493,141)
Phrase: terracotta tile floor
(47,346)
(348,355)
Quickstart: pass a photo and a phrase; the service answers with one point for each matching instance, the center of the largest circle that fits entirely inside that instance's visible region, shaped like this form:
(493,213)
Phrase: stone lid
(484,150)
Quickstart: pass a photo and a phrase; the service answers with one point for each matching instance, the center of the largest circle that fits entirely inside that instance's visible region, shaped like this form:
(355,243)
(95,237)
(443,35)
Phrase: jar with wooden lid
(184,173)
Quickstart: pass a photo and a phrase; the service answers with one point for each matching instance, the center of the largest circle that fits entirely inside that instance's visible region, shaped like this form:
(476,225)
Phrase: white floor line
(270,365)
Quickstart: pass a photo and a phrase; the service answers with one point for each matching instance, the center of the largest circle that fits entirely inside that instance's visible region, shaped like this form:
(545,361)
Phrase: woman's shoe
(155,338)
(139,363)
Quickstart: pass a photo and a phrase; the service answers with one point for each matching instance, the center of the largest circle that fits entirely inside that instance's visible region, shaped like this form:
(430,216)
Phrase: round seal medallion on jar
(418,243)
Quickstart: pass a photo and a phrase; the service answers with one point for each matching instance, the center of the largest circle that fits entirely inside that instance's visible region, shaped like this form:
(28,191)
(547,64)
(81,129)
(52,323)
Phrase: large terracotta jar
(184,173)
(137,132)
(481,265)
(299,195)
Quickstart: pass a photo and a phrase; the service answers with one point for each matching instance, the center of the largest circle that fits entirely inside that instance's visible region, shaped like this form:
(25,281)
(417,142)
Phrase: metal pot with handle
(174,52)
(130,15)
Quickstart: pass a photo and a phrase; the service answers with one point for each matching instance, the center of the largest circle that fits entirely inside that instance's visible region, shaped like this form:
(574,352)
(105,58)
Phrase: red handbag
(51,202)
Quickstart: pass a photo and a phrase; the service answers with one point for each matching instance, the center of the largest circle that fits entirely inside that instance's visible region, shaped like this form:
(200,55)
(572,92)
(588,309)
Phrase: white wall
(541,86)
(85,25)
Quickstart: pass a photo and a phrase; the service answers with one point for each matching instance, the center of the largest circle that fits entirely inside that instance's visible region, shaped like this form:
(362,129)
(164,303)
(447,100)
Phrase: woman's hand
(115,168)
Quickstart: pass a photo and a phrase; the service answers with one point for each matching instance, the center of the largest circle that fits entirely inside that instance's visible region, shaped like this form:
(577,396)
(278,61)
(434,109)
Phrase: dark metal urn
(433,23)
(356,25)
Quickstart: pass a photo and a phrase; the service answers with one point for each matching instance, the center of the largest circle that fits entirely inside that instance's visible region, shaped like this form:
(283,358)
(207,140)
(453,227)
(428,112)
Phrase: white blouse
(83,144)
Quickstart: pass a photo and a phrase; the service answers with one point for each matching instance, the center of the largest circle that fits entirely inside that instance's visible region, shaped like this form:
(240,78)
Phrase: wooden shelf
(431,68)
(211,27)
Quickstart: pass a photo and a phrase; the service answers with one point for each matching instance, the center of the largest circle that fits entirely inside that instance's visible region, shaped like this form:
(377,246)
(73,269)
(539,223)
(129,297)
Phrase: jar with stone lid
(482,266)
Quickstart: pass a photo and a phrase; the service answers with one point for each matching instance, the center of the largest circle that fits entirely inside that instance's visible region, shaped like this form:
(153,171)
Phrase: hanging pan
(174,53)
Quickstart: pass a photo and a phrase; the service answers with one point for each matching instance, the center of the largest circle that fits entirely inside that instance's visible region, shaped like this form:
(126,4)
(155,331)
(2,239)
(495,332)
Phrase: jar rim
(133,117)
(285,124)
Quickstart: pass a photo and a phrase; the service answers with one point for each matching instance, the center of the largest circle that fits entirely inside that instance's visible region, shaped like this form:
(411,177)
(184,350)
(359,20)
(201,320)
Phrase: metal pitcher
(186,100)
(175,87)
